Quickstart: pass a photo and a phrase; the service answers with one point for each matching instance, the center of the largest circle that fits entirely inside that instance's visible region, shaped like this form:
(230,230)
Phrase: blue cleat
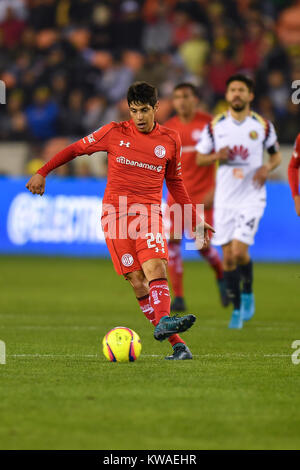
(236,321)
(247,306)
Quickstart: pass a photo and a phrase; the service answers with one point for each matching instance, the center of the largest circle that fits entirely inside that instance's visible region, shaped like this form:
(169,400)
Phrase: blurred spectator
(151,8)
(288,25)
(42,14)
(195,50)
(266,108)
(115,78)
(157,35)
(134,60)
(81,11)
(154,70)
(130,26)
(250,50)
(218,70)
(11,28)
(13,124)
(42,152)
(288,125)
(97,113)
(70,118)
(103,29)
(278,92)
(59,88)
(18,7)
(182,27)
(42,115)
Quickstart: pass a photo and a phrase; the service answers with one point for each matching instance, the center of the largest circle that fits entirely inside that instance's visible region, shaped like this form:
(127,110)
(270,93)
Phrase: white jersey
(246,141)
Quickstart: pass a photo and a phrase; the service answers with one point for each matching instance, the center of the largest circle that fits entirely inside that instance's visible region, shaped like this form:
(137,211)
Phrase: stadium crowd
(67,64)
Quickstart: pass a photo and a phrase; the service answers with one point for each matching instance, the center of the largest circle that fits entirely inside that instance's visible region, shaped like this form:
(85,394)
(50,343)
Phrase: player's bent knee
(155,269)
(240,257)
(137,280)
(229,263)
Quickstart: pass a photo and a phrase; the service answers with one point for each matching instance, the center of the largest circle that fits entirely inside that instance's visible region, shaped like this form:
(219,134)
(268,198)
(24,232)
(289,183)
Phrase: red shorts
(134,239)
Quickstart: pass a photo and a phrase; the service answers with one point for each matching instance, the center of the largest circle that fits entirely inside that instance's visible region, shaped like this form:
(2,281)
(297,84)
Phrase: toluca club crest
(160,151)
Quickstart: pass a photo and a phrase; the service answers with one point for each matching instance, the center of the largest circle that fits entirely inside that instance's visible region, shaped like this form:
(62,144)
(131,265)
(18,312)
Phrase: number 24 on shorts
(250,223)
(153,241)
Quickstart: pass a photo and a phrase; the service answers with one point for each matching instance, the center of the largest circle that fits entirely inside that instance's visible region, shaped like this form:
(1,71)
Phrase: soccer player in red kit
(293,174)
(141,153)
(200,184)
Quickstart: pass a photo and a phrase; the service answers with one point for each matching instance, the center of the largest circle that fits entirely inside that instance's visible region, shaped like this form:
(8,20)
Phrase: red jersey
(137,162)
(293,169)
(197,179)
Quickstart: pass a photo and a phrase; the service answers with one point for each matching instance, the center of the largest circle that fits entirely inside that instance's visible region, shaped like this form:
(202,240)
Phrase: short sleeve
(205,144)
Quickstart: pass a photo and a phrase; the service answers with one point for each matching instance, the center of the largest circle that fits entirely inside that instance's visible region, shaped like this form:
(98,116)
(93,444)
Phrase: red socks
(148,311)
(146,308)
(160,299)
(175,268)
(212,257)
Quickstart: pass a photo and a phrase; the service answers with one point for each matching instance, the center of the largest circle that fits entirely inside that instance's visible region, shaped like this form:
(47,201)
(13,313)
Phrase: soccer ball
(121,345)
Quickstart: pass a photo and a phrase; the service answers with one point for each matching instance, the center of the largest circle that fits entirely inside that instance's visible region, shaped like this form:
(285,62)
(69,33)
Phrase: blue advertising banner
(66,221)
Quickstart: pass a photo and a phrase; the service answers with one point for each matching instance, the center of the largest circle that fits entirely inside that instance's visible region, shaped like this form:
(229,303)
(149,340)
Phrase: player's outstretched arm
(96,141)
(36,184)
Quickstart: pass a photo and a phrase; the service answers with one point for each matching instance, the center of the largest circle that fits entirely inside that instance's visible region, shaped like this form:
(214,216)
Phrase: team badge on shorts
(253,135)
(160,151)
(127,259)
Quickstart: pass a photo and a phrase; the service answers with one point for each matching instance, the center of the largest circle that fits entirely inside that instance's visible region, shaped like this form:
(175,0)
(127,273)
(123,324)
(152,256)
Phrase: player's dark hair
(239,77)
(192,87)
(142,92)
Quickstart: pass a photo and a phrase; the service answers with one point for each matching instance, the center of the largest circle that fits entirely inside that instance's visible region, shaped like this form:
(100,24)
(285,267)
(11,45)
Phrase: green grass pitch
(57,391)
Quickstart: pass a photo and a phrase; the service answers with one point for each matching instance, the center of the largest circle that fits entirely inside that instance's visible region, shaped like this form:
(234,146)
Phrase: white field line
(50,327)
(94,328)
(225,355)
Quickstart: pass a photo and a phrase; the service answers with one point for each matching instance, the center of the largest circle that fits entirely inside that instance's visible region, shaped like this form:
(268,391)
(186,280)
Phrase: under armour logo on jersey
(124,143)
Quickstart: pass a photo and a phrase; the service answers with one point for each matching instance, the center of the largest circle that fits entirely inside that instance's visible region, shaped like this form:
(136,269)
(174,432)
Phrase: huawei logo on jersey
(238,151)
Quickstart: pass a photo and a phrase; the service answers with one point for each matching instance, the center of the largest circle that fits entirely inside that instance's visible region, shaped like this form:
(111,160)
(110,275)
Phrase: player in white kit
(236,139)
